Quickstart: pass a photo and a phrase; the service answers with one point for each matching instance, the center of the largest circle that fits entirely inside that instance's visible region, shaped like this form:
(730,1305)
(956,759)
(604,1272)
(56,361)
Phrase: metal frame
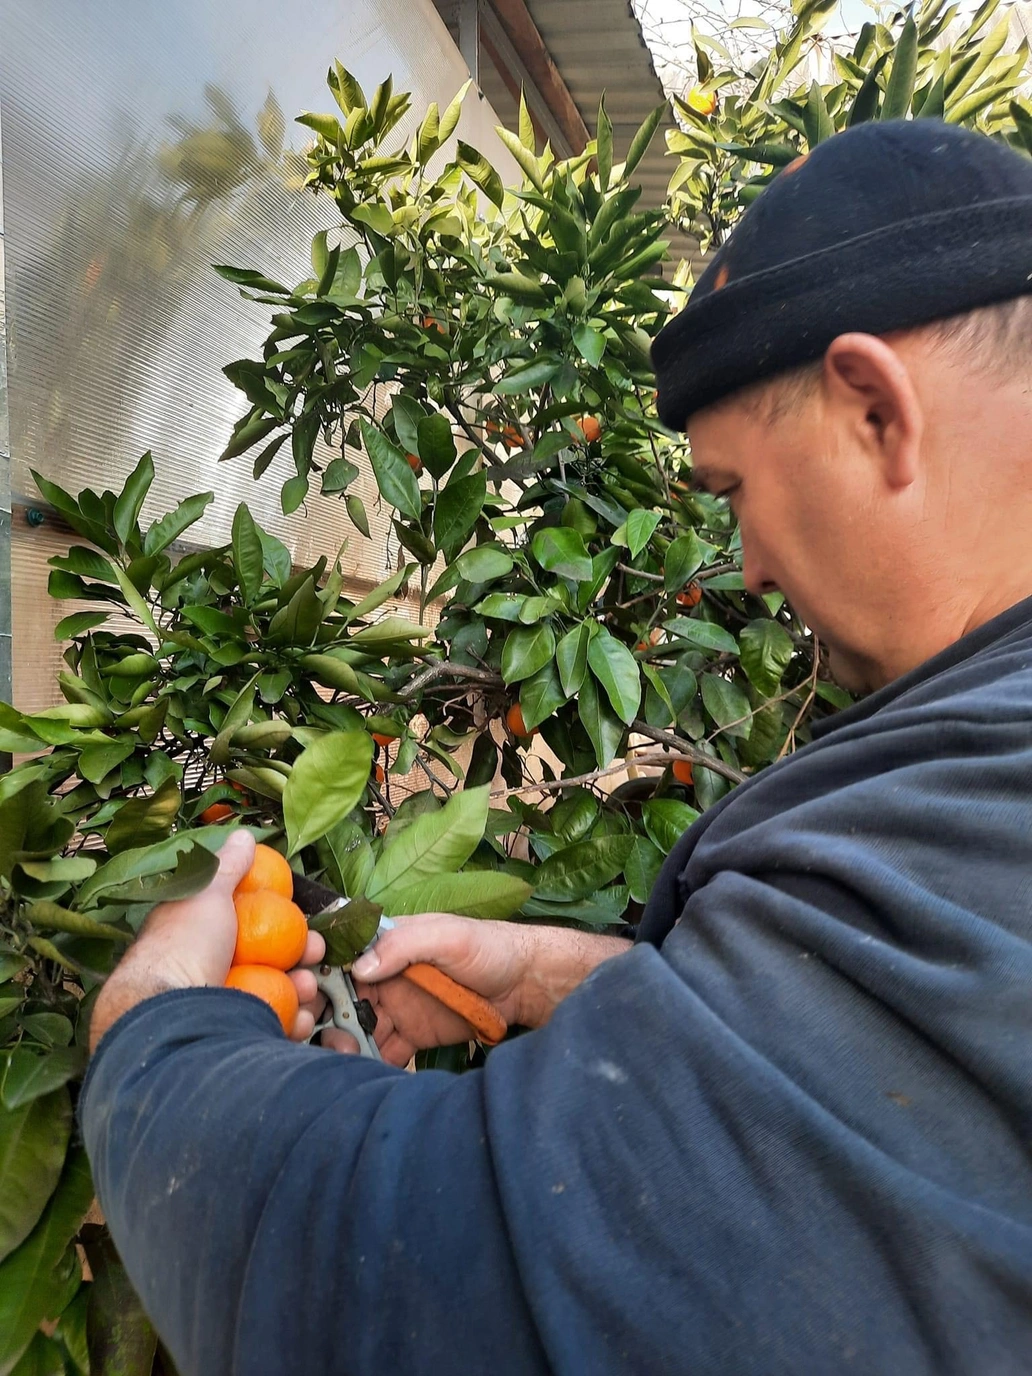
(502,45)
(6,660)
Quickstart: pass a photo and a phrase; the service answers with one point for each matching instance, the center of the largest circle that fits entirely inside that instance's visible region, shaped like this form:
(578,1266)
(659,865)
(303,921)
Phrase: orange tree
(562,578)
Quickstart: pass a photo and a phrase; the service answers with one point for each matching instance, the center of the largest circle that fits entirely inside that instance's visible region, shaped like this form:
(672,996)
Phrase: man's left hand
(190,944)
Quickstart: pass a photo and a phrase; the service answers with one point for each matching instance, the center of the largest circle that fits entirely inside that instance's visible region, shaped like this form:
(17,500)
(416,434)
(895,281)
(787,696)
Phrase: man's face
(817,520)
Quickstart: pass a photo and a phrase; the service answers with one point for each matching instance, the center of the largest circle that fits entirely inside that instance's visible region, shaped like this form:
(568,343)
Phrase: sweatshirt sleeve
(282,1207)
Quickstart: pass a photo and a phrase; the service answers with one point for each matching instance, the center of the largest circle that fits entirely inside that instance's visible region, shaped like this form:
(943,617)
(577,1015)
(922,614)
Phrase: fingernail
(366,965)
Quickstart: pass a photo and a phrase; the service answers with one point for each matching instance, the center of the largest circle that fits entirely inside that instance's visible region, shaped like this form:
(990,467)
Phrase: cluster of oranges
(271,934)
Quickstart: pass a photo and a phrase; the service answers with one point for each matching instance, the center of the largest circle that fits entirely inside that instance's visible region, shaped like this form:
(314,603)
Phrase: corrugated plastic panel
(133,159)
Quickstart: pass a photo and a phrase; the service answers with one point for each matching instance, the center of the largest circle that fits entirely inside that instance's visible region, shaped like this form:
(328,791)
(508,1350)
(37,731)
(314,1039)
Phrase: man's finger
(315,949)
(442,940)
(235,858)
(304,1026)
(304,983)
(336,1039)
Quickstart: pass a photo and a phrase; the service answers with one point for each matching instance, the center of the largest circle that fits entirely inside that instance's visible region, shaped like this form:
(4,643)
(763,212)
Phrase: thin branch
(433,777)
(446,670)
(556,785)
(693,753)
(812,681)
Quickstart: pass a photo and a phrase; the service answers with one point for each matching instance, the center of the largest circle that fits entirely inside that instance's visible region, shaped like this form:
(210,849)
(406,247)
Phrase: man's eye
(729,491)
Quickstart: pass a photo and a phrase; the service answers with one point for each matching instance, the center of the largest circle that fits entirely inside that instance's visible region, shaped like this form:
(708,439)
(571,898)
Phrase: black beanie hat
(883,227)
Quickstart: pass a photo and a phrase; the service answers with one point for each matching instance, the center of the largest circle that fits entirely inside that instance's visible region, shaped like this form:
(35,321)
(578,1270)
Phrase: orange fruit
(378,774)
(216,812)
(271,986)
(682,770)
(429,323)
(590,427)
(691,597)
(508,434)
(702,102)
(415,463)
(271,930)
(268,870)
(655,636)
(382,740)
(514,721)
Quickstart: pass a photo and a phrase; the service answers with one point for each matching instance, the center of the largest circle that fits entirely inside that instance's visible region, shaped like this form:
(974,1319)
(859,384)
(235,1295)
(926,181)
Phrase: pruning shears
(357,1016)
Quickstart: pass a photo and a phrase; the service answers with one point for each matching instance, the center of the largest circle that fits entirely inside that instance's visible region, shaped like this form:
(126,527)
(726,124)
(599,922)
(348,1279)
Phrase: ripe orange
(691,597)
(429,323)
(415,463)
(216,812)
(514,721)
(270,930)
(655,636)
(590,427)
(508,434)
(702,102)
(378,774)
(268,870)
(382,740)
(271,986)
(682,770)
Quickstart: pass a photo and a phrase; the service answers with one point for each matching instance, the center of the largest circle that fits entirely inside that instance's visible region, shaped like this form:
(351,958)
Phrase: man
(790,1129)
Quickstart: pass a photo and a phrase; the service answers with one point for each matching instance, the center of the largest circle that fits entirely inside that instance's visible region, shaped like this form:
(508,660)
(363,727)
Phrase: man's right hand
(524,971)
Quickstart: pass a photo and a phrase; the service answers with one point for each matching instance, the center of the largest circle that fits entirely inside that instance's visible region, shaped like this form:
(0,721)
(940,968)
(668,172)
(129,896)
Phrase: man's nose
(757,579)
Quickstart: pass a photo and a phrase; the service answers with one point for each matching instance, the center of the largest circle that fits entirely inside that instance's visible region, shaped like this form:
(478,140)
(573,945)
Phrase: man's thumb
(235,859)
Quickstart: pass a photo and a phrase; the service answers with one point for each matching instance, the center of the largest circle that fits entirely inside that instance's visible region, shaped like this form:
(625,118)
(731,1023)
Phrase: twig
(640,573)
(700,757)
(433,777)
(445,670)
(790,738)
(555,785)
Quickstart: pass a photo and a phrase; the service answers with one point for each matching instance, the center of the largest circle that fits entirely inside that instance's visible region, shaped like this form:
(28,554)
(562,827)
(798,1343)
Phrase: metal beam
(517,24)
(510,62)
(469,35)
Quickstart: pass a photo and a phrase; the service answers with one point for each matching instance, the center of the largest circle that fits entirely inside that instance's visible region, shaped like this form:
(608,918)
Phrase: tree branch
(682,747)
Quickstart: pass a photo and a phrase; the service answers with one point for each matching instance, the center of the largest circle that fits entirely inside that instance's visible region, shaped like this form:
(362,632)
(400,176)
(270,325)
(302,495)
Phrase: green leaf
(356,510)
(248,554)
(42,1357)
(727,705)
(766,651)
(642,868)
(526,651)
(501,606)
(640,143)
(436,444)
(394,478)
(239,714)
(484,564)
(526,377)
(450,118)
(571,657)
(407,413)
(125,875)
(97,761)
(435,843)
(142,821)
(541,695)
(127,507)
(391,628)
(591,343)
(247,277)
(326,782)
(85,562)
(818,122)
(480,172)
(33,1142)
(685,555)
(71,626)
(666,820)
(121,1339)
(40,1277)
(29,1075)
(580,870)
(474,893)
(293,493)
(380,594)
(562,550)
(525,157)
(640,528)
(704,634)
(347,931)
(456,510)
(605,729)
(900,88)
(617,670)
(604,141)
(169,528)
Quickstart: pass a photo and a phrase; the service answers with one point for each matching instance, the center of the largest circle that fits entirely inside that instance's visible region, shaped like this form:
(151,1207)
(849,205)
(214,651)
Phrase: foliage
(922,63)
(485,353)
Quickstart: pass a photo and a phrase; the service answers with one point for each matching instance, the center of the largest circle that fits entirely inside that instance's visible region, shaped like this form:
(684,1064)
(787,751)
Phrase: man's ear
(866,379)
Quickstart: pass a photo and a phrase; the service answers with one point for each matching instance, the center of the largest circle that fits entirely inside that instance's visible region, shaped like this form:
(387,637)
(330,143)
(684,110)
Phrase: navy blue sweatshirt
(790,1131)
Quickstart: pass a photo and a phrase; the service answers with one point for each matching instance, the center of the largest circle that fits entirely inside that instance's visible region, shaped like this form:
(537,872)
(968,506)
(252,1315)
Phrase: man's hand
(524,971)
(190,944)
